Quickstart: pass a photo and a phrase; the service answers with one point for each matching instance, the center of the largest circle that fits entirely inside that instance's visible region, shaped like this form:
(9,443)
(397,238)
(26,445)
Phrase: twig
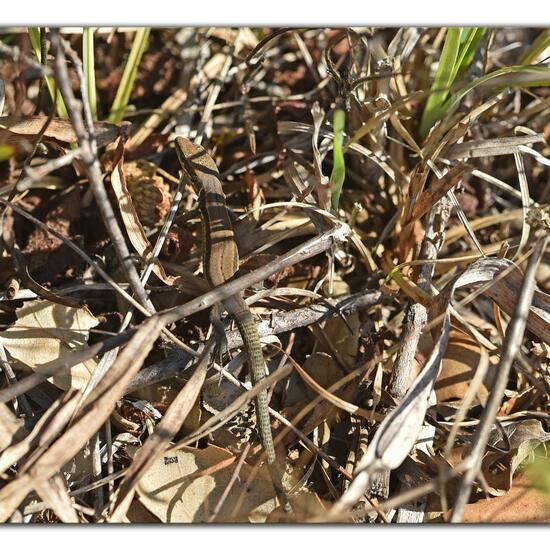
(416,315)
(63,364)
(94,265)
(86,141)
(416,318)
(11,378)
(302,252)
(17,55)
(285,321)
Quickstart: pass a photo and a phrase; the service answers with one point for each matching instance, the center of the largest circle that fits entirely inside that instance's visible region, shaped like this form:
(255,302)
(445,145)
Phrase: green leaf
(88,60)
(537,47)
(515,75)
(472,39)
(34,35)
(442,81)
(6,152)
(128,77)
(539,470)
(457,55)
(339,166)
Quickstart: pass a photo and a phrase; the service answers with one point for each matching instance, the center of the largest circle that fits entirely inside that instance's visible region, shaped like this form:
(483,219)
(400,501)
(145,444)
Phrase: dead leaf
(506,290)
(400,429)
(322,368)
(45,331)
(490,147)
(184,486)
(46,429)
(458,368)
(94,411)
(130,218)
(52,491)
(158,441)
(343,335)
(522,504)
(59,129)
(437,190)
(499,467)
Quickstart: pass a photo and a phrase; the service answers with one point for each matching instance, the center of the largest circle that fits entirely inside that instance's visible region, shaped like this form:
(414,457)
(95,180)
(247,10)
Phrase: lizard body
(220,263)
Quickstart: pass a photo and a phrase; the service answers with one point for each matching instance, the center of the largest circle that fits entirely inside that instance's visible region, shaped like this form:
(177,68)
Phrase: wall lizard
(220,263)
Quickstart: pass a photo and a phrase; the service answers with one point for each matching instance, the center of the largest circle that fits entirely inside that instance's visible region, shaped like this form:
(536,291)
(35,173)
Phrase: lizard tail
(252,345)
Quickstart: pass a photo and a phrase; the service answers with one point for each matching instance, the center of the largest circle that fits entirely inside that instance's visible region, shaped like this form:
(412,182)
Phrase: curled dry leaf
(185,486)
(44,332)
(130,217)
(523,437)
(58,130)
(150,194)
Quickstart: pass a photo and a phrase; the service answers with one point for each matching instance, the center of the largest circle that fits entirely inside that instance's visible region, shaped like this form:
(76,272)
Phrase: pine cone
(150,194)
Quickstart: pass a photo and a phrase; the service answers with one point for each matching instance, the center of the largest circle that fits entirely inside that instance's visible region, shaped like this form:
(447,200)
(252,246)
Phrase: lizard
(220,263)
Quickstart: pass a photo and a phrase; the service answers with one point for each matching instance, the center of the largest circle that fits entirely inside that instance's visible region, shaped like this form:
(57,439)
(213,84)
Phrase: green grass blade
(88,59)
(515,75)
(34,35)
(458,54)
(472,39)
(537,47)
(128,77)
(443,80)
(339,166)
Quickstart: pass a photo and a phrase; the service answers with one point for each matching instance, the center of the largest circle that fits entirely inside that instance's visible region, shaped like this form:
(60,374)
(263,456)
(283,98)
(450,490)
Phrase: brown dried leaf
(399,431)
(53,491)
(458,368)
(45,331)
(437,190)
(490,147)
(43,433)
(156,443)
(524,437)
(522,504)
(93,413)
(184,486)
(506,290)
(130,218)
(59,129)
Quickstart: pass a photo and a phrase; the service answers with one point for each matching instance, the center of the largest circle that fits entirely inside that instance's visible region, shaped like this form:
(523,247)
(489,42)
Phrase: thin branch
(86,141)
